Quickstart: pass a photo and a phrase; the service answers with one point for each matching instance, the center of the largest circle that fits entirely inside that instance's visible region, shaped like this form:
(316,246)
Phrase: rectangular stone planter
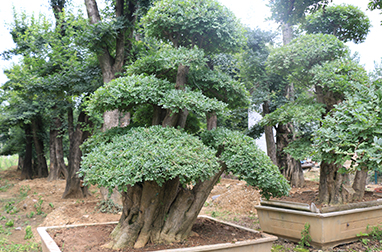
(263,244)
(326,229)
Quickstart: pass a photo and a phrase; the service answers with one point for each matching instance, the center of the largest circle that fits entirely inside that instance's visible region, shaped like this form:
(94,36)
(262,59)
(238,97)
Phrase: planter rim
(320,215)
(52,246)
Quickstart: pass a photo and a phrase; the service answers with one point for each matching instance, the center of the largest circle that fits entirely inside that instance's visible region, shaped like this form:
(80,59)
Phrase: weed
(4,231)
(214,214)
(305,237)
(24,191)
(6,245)
(2,217)
(108,206)
(4,185)
(31,214)
(38,206)
(51,205)
(28,233)
(206,204)
(9,223)
(10,208)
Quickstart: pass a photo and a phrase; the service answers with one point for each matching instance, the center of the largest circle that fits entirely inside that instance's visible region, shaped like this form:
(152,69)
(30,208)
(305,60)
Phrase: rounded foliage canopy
(149,154)
(346,22)
(204,23)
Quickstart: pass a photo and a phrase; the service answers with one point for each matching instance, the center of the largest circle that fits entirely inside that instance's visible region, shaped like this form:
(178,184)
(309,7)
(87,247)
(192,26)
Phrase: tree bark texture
(159,214)
(20,163)
(212,120)
(289,167)
(42,167)
(57,165)
(111,65)
(269,137)
(27,171)
(178,119)
(74,187)
(334,187)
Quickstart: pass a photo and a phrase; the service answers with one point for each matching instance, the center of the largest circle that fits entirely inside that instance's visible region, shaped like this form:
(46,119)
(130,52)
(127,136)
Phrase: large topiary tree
(165,174)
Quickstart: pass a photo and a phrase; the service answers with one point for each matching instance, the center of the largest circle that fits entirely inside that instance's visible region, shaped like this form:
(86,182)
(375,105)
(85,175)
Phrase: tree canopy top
(346,22)
(203,23)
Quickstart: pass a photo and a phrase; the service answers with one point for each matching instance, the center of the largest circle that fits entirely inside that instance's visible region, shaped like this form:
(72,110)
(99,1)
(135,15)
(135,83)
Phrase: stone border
(259,245)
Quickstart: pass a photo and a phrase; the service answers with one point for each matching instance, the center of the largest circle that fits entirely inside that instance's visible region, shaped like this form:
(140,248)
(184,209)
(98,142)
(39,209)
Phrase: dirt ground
(230,200)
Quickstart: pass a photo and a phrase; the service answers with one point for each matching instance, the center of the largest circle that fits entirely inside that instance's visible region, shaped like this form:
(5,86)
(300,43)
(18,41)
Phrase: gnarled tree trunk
(289,167)
(159,214)
(336,188)
(74,187)
(57,165)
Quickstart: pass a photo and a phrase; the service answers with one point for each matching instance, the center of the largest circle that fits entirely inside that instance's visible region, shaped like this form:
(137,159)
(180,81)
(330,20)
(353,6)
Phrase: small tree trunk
(27,171)
(360,183)
(159,214)
(178,119)
(20,163)
(57,163)
(74,187)
(289,167)
(269,138)
(212,120)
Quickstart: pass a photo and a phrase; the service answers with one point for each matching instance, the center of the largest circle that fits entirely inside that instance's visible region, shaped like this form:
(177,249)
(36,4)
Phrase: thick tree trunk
(159,214)
(27,171)
(74,187)
(57,163)
(42,167)
(289,167)
(335,188)
(269,137)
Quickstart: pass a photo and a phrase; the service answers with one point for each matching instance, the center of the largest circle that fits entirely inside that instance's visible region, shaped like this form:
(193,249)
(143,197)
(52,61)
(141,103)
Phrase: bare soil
(92,238)
(231,200)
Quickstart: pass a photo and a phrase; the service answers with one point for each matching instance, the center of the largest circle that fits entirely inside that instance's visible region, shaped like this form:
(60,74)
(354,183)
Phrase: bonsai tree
(164,173)
(319,63)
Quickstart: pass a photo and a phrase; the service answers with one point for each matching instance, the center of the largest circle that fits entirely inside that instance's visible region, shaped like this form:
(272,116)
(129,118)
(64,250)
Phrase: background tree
(288,13)
(165,175)
(346,22)
(58,75)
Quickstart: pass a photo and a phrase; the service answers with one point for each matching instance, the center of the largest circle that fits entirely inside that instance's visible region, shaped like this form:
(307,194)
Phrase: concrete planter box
(260,245)
(326,229)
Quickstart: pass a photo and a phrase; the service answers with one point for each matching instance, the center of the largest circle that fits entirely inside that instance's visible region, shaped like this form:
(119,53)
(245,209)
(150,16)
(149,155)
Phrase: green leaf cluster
(205,23)
(149,154)
(346,22)
(352,131)
(242,157)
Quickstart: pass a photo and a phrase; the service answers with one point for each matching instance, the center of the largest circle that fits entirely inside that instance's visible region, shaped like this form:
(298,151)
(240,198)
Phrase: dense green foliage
(149,154)
(205,23)
(298,57)
(242,157)
(346,22)
(352,131)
